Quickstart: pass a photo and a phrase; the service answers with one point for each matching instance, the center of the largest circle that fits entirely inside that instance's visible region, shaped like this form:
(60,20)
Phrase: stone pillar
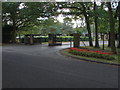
(31,39)
(51,41)
(76,39)
(25,39)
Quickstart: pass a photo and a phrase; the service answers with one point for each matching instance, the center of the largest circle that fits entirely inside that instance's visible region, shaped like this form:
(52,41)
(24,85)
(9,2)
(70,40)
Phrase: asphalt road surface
(40,66)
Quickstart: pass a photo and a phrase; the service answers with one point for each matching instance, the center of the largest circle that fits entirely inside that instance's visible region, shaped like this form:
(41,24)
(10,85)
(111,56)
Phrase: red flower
(90,51)
(96,51)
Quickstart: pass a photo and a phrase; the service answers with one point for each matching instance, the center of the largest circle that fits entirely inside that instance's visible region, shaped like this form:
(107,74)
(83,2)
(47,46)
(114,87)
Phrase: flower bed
(91,53)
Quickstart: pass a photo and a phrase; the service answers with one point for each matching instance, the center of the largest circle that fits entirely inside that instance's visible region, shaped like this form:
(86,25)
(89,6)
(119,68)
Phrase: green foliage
(80,30)
(27,16)
(51,25)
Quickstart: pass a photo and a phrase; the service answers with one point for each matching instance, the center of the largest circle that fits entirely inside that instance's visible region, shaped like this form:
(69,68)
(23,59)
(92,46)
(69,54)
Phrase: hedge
(63,38)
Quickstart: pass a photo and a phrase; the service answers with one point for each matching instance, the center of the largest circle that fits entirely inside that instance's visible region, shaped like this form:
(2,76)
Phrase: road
(40,66)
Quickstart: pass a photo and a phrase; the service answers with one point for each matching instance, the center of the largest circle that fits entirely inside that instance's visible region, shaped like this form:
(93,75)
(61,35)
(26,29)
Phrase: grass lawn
(116,56)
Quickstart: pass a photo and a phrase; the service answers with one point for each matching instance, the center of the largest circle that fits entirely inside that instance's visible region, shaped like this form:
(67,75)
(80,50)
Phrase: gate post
(26,39)
(51,39)
(31,39)
(76,40)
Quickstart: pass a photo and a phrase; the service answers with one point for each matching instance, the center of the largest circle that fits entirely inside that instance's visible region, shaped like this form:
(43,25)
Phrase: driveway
(40,66)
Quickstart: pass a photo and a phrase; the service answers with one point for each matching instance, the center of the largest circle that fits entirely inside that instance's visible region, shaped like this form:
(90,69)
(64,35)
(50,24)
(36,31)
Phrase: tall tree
(25,14)
(119,24)
(78,9)
(112,28)
(117,14)
(96,25)
(10,13)
(86,15)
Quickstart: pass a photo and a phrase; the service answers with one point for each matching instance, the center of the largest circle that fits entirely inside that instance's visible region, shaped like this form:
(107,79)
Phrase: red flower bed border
(91,53)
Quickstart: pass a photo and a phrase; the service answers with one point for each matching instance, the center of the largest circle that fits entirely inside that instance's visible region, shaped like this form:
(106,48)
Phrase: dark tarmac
(40,66)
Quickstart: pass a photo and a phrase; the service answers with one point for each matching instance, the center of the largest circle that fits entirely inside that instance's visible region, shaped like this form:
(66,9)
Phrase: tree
(10,13)
(117,14)
(26,14)
(6,33)
(52,26)
(78,9)
(18,17)
(112,28)
(96,25)
(119,23)
(86,15)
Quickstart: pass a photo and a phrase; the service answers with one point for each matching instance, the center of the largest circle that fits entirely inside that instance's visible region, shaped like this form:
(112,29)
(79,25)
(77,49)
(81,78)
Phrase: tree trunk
(103,41)
(112,30)
(88,25)
(117,14)
(14,35)
(89,31)
(109,40)
(119,33)
(96,28)
(119,25)
(14,32)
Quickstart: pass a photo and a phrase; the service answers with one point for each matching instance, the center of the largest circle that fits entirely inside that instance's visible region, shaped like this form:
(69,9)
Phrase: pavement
(42,66)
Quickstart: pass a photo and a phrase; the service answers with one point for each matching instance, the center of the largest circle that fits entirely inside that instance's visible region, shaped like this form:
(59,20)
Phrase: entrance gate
(53,39)
(29,39)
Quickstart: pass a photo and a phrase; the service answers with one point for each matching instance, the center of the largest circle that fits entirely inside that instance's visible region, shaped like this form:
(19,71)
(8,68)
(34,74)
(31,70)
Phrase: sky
(61,17)
(76,23)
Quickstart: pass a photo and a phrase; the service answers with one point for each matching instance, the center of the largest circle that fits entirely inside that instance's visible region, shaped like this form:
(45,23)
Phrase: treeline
(25,16)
